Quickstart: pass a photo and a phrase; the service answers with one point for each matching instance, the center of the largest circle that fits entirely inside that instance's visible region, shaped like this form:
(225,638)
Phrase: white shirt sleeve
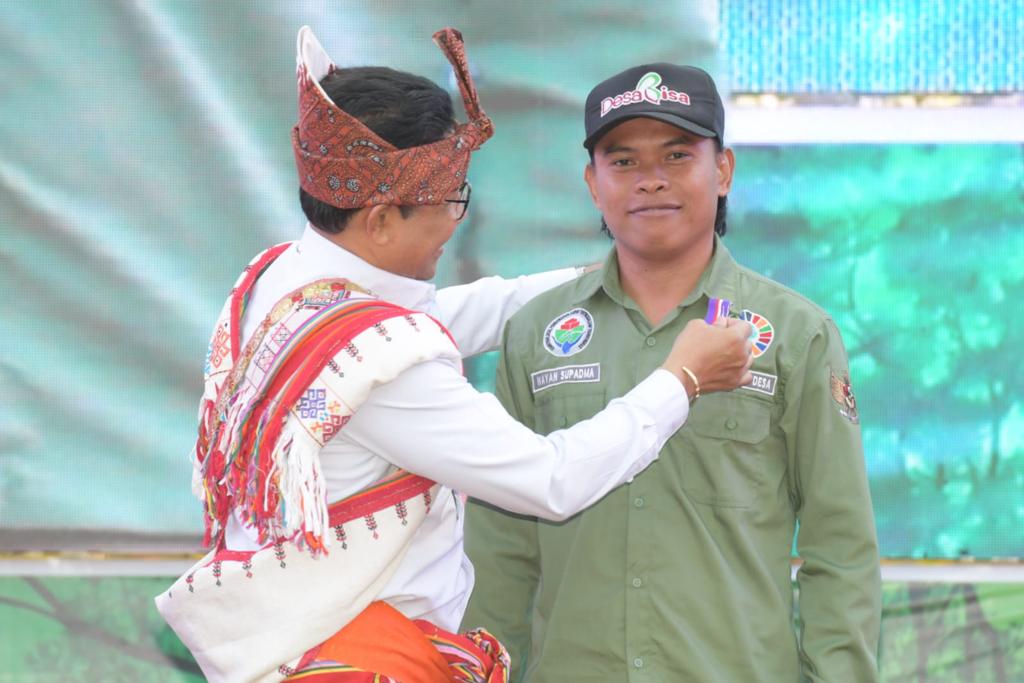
(432,422)
(476,313)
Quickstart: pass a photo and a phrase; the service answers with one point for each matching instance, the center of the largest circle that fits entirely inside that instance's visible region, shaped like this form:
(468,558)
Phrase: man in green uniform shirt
(683,574)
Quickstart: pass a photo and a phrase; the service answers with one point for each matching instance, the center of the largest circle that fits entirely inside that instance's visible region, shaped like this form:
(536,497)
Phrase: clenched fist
(719,356)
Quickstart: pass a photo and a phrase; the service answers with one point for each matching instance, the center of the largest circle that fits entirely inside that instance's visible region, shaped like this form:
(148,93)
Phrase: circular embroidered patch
(569,333)
(763,331)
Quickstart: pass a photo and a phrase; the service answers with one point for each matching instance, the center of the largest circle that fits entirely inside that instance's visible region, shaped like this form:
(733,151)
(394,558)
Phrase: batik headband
(343,163)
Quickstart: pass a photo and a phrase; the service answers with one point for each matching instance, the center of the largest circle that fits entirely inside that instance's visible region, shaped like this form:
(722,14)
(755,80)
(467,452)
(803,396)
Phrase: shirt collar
(322,258)
(717,279)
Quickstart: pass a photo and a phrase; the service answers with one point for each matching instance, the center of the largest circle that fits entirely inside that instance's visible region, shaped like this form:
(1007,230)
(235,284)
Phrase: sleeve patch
(842,394)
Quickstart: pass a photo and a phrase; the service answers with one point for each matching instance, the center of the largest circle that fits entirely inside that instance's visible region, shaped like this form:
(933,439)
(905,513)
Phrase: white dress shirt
(432,422)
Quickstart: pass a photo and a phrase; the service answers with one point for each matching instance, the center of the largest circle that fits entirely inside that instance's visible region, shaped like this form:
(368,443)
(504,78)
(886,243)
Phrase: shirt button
(638,502)
(637,582)
(651,341)
(730,423)
(638,662)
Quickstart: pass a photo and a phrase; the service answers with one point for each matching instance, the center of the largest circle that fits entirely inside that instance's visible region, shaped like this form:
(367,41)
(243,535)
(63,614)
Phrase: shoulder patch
(842,394)
(569,333)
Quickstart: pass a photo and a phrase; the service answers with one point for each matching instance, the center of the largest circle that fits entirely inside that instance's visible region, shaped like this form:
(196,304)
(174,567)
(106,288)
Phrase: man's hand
(719,356)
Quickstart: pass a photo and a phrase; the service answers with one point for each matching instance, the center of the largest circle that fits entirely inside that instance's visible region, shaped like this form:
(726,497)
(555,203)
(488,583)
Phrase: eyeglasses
(459,207)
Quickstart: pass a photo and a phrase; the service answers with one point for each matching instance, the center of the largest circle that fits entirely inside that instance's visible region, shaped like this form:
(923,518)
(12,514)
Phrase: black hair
(720,213)
(404,109)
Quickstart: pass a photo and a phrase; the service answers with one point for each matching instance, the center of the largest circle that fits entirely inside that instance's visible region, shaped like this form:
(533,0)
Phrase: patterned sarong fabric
(382,645)
(343,163)
(267,410)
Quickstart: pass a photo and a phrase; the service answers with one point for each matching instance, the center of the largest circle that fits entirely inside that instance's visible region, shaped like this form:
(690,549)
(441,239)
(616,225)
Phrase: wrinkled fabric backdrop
(145,157)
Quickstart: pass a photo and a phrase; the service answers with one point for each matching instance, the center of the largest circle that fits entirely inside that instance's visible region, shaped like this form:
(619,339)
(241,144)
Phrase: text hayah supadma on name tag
(568,374)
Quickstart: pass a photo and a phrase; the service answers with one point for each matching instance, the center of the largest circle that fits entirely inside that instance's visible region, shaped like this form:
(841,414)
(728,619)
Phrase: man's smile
(654,210)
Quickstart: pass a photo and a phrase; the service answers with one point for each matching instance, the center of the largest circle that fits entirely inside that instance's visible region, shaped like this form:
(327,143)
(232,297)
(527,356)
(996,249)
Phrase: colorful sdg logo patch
(569,333)
(763,331)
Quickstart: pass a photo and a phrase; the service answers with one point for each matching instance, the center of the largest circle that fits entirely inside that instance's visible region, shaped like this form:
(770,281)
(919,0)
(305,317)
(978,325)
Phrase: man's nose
(652,181)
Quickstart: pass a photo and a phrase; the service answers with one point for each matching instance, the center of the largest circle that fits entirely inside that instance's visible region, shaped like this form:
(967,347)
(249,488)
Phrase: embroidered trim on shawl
(253,460)
(267,409)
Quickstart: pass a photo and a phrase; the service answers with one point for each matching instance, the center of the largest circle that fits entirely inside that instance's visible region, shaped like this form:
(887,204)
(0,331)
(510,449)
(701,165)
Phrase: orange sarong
(383,645)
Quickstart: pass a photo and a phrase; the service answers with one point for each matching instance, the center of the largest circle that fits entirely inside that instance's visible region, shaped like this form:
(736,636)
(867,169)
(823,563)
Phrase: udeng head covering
(345,164)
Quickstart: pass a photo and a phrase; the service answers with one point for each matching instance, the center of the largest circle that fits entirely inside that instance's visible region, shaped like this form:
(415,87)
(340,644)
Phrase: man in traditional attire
(337,434)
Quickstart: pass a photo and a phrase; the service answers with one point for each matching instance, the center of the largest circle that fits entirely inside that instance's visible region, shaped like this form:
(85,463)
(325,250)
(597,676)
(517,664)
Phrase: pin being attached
(717,308)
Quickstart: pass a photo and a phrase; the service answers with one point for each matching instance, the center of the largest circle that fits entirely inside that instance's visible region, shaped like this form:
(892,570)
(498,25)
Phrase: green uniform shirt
(684,574)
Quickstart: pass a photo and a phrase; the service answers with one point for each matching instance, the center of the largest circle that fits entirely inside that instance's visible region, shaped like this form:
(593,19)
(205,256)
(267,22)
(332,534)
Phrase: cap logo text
(648,89)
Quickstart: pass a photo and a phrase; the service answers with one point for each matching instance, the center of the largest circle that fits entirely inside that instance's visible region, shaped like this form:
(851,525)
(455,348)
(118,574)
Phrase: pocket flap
(558,410)
(728,416)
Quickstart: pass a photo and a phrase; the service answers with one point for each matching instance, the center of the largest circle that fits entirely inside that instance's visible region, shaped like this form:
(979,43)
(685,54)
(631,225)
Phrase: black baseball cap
(683,96)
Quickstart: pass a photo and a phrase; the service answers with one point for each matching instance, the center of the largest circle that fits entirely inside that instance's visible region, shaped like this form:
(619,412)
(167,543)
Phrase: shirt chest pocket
(724,445)
(556,411)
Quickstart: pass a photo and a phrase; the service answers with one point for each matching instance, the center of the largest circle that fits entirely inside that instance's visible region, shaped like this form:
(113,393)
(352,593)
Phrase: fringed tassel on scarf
(301,486)
(267,466)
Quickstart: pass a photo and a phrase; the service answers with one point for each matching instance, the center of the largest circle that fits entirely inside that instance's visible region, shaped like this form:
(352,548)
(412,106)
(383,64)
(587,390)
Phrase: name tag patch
(568,374)
(762,382)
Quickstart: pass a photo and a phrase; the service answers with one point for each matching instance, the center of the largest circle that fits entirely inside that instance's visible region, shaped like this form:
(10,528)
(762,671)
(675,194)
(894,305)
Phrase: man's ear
(377,224)
(726,162)
(591,180)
